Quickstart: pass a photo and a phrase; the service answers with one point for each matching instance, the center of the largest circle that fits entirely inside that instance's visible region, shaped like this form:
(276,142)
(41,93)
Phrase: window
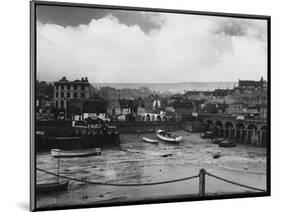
(62,94)
(68,87)
(57,104)
(68,95)
(82,88)
(57,94)
(75,95)
(82,95)
(75,87)
(62,104)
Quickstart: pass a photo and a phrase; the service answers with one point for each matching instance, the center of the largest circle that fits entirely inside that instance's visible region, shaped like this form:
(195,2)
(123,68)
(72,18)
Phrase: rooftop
(64,81)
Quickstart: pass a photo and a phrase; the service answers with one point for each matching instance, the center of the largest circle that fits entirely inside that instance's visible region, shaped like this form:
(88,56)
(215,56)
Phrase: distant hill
(171,87)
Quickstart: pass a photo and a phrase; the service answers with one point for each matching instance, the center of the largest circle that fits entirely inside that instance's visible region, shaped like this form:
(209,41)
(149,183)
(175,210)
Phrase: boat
(216,155)
(165,136)
(149,140)
(227,144)
(60,153)
(47,188)
(208,134)
(217,140)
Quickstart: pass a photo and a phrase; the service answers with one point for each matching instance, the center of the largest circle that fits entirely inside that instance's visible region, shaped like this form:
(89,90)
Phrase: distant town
(73,100)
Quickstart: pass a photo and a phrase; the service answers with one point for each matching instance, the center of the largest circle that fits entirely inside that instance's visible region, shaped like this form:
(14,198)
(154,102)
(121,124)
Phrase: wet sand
(140,162)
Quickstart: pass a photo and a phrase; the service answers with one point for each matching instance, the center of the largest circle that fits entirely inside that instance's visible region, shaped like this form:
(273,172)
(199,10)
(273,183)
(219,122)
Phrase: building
(250,86)
(198,95)
(235,107)
(66,91)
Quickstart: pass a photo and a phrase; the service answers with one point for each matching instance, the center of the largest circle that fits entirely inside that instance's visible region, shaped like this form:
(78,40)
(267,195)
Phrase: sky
(119,46)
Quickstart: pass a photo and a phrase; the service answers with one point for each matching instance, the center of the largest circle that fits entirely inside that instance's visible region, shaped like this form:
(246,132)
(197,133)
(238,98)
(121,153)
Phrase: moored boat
(47,188)
(217,140)
(227,144)
(165,136)
(61,153)
(149,140)
(216,155)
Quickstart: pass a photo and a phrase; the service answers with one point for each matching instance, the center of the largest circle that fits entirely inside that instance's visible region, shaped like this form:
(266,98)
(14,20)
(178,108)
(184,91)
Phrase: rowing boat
(60,153)
(149,140)
(165,136)
(47,188)
(227,144)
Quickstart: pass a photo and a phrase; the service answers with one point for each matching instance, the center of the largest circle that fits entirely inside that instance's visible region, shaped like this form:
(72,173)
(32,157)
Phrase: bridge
(247,131)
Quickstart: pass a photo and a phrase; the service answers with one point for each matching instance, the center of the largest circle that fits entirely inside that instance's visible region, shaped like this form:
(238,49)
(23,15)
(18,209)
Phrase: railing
(202,181)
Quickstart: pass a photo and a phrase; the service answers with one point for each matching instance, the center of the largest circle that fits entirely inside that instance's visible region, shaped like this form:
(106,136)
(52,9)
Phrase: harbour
(136,161)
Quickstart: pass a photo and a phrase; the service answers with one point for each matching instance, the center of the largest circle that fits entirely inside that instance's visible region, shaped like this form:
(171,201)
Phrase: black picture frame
(33,46)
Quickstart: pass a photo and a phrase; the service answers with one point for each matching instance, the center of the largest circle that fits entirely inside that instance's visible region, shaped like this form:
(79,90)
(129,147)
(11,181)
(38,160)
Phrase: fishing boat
(59,153)
(217,140)
(47,188)
(227,144)
(165,136)
(149,140)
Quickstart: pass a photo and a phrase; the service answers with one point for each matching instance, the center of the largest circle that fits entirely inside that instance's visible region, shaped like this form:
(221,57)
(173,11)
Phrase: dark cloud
(240,27)
(231,28)
(74,16)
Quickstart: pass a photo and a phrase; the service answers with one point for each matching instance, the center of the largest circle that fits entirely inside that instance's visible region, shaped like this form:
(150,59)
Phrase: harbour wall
(64,128)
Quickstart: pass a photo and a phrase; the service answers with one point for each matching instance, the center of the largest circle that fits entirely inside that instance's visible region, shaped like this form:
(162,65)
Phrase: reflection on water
(140,162)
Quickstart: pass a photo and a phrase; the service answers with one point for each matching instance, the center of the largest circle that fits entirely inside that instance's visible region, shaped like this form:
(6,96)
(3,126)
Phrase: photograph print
(138,105)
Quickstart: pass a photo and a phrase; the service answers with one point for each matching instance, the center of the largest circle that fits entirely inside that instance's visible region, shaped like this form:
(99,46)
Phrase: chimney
(86,79)
(82,79)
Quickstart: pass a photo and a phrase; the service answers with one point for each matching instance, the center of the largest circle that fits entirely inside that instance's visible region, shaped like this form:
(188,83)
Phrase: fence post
(202,174)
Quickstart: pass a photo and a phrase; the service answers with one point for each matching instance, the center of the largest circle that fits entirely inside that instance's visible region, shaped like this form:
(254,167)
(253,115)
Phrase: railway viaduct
(248,131)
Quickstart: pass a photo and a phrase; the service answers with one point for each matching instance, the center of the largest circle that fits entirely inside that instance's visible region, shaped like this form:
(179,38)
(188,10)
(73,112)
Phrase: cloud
(184,48)
(242,27)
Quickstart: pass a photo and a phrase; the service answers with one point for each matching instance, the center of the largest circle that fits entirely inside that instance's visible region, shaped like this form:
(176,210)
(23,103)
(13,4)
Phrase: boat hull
(173,139)
(68,154)
(148,140)
(47,188)
(227,144)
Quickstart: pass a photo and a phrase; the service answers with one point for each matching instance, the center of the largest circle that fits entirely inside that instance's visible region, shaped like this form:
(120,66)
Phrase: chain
(118,184)
(234,183)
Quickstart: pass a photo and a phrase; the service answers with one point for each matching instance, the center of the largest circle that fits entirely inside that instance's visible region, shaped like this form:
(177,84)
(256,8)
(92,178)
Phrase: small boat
(207,134)
(165,136)
(64,154)
(217,140)
(216,155)
(227,144)
(149,140)
(47,188)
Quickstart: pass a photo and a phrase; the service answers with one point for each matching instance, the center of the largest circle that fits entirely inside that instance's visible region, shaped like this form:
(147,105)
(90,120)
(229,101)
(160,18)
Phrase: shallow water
(140,162)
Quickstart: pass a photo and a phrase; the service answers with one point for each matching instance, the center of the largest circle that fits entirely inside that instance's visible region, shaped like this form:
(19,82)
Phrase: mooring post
(202,174)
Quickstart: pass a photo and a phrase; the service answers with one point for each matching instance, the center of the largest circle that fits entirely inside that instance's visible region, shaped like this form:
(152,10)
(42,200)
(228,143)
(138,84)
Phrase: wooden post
(202,174)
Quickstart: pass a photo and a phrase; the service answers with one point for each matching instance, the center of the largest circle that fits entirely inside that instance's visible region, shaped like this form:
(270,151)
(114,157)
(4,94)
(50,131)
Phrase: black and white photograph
(137,105)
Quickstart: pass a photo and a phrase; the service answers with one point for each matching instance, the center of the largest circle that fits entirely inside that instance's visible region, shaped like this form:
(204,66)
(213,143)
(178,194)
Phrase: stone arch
(229,130)
(263,134)
(210,124)
(147,117)
(219,128)
(158,118)
(251,137)
(240,132)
